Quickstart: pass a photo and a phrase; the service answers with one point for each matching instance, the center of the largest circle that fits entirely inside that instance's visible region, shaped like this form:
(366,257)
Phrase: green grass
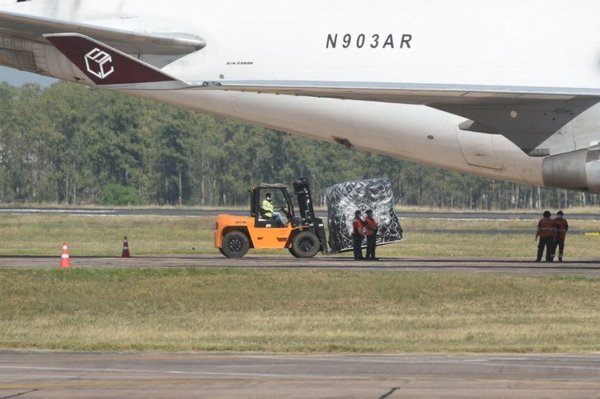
(42,235)
(296,311)
(484,246)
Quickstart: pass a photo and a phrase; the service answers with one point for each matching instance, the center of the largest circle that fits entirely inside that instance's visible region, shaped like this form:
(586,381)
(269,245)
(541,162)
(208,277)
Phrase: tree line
(71,144)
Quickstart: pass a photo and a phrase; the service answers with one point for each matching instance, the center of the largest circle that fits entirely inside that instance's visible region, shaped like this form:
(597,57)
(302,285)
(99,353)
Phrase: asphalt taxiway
(589,268)
(51,375)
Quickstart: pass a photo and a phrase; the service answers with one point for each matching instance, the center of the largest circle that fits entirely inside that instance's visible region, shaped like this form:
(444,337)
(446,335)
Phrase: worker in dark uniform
(561,227)
(371,233)
(358,228)
(546,233)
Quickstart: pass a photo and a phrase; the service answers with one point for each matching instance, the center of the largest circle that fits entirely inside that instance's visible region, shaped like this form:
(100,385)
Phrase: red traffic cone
(65,261)
(125,253)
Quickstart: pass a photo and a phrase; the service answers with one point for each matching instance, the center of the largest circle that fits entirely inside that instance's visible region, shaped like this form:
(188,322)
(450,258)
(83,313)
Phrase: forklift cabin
(281,201)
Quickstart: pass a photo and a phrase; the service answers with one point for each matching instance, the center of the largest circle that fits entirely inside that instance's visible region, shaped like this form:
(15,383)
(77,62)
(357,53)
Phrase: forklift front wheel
(235,244)
(305,245)
(293,252)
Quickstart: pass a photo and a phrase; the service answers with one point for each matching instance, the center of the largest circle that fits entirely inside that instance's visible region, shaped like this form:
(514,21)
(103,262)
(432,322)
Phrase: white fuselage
(501,44)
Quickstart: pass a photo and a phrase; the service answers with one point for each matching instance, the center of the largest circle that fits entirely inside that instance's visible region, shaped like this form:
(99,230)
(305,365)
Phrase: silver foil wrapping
(344,199)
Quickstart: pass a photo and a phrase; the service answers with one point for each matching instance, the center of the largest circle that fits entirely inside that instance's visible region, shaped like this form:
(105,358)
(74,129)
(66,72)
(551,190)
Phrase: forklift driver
(268,210)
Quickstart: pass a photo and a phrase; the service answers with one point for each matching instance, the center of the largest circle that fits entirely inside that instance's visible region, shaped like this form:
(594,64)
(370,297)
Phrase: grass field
(296,311)
(43,235)
(288,310)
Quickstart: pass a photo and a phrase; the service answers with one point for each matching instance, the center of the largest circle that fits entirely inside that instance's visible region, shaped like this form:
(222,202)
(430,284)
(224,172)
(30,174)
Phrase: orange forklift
(303,234)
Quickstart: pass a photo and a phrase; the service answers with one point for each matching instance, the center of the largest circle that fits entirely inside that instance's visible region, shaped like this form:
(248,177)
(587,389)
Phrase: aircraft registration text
(372,41)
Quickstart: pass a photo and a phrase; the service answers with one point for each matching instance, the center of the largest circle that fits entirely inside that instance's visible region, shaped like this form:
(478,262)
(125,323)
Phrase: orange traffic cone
(125,253)
(65,261)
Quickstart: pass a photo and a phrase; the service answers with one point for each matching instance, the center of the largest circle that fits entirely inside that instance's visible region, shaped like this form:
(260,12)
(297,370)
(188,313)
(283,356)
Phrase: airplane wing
(525,115)
(165,47)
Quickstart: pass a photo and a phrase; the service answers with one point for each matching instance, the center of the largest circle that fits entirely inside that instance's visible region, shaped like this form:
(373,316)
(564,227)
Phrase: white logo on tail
(98,63)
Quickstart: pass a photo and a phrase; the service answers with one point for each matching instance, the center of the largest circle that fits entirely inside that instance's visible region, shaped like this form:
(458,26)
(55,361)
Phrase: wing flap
(526,124)
(17,59)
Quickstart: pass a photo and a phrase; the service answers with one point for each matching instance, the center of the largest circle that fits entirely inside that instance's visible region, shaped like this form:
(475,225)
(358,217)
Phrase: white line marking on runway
(29,376)
(173,372)
(74,211)
(488,362)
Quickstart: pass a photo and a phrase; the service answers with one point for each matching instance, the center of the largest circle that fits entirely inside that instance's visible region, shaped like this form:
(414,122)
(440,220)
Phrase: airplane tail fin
(108,67)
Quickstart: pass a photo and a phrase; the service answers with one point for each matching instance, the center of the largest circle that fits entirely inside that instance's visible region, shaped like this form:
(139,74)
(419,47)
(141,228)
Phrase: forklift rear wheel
(235,244)
(305,244)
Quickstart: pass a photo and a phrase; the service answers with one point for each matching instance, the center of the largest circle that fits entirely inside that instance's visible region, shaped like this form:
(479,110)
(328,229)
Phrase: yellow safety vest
(267,207)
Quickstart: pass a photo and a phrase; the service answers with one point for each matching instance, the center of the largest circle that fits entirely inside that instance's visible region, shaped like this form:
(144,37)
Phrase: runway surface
(52,375)
(589,268)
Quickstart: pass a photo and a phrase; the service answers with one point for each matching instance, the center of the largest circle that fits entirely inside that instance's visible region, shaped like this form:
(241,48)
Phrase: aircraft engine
(576,170)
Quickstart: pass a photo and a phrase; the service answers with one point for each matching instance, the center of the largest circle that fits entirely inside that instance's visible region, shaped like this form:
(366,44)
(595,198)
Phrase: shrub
(118,194)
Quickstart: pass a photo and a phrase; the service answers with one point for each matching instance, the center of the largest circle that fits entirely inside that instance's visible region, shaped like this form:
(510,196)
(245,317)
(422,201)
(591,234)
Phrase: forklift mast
(307,211)
(305,204)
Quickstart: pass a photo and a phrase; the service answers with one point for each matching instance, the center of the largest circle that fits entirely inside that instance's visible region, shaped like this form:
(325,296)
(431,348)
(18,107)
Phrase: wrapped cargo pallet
(345,198)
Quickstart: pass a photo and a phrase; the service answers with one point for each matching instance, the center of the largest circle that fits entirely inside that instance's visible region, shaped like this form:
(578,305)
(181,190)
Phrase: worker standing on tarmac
(358,228)
(371,233)
(561,227)
(546,233)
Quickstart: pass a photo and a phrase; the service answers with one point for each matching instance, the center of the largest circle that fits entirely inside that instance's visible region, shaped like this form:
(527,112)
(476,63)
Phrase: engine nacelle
(576,170)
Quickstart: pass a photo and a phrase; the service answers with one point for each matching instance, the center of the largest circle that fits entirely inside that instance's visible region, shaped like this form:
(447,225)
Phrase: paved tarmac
(587,267)
(52,375)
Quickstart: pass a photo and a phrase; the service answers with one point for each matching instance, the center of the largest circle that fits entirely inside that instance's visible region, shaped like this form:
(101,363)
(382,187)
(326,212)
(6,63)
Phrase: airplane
(506,89)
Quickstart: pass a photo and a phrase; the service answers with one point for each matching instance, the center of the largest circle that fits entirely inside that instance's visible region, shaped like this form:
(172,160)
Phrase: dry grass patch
(42,235)
(411,224)
(296,311)
(484,246)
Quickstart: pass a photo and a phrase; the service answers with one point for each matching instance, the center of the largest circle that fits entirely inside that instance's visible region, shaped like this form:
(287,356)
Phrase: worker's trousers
(560,244)
(357,244)
(371,244)
(548,244)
